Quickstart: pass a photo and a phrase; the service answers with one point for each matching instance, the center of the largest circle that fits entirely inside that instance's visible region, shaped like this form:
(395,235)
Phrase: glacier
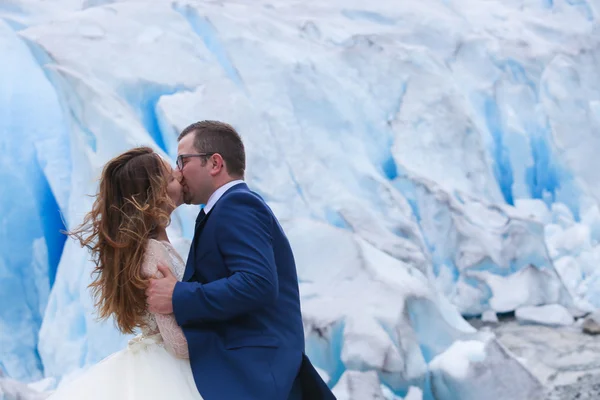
(428,160)
(35,178)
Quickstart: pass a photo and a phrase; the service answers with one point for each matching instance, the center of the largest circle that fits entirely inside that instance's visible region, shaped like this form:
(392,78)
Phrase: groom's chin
(190,202)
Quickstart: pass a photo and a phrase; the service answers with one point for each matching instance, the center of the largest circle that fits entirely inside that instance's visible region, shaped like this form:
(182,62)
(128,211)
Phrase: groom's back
(283,317)
(287,308)
(242,318)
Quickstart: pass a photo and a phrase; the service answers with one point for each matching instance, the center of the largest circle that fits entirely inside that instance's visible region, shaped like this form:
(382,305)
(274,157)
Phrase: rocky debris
(591,324)
(586,387)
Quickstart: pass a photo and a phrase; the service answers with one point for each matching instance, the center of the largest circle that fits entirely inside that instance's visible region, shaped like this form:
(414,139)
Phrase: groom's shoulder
(242,197)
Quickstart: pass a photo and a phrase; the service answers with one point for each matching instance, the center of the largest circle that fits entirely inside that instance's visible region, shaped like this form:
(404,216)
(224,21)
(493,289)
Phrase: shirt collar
(212,200)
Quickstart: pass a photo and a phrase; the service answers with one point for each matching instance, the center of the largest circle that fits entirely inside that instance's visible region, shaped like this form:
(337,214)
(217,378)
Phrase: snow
(550,314)
(470,370)
(489,316)
(11,389)
(355,385)
(414,393)
(426,159)
(529,286)
(456,360)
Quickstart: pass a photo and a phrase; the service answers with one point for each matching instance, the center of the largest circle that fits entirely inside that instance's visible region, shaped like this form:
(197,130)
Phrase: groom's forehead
(186,144)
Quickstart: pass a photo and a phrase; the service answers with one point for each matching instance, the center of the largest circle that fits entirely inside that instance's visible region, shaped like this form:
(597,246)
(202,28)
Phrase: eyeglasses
(181,157)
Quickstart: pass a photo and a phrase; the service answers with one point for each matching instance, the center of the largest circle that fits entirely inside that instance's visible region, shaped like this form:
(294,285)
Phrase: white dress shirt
(212,200)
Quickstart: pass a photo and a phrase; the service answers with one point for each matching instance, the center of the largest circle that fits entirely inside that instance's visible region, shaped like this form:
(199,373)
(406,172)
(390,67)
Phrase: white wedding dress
(154,365)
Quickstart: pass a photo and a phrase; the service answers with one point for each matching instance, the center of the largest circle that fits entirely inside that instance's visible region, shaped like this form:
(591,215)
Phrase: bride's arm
(172,335)
(167,325)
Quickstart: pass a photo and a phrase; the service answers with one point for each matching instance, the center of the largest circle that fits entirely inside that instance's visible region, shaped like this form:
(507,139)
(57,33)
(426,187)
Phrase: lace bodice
(165,326)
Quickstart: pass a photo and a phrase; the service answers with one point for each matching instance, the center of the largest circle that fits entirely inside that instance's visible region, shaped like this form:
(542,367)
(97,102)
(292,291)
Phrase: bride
(126,232)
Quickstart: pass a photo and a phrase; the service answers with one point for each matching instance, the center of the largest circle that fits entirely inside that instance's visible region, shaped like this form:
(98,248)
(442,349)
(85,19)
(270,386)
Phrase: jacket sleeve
(245,242)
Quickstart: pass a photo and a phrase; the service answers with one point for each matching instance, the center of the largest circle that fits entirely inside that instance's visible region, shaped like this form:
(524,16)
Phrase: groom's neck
(224,180)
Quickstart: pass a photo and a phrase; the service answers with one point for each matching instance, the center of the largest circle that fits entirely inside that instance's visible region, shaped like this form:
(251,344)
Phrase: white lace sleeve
(167,325)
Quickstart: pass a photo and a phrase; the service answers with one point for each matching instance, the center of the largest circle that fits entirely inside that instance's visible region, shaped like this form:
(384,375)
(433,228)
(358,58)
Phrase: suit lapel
(190,266)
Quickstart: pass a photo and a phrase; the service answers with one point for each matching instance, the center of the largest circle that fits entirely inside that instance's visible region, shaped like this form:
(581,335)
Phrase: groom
(238,303)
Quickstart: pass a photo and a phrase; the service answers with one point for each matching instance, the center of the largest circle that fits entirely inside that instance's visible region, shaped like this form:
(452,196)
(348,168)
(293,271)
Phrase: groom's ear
(217,164)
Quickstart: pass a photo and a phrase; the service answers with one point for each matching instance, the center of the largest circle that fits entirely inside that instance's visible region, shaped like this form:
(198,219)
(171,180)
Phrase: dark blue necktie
(200,218)
(190,268)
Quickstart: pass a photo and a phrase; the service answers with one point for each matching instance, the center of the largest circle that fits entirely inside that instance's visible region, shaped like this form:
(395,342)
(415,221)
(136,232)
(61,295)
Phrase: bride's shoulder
(154,248)
(153,243)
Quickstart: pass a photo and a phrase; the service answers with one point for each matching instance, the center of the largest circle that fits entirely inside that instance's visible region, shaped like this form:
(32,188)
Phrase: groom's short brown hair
(222,138)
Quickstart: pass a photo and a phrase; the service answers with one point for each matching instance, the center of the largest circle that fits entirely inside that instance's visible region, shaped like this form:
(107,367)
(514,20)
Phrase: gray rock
(591,324)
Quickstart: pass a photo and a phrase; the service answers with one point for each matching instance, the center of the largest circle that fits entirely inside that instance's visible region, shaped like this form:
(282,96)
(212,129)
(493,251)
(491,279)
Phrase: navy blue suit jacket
(239,305)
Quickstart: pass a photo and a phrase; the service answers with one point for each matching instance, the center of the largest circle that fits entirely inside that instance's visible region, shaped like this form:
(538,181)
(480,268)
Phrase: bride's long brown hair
(131,204)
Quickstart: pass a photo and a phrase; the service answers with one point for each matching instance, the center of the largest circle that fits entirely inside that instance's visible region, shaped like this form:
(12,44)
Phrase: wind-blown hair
(131,204)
